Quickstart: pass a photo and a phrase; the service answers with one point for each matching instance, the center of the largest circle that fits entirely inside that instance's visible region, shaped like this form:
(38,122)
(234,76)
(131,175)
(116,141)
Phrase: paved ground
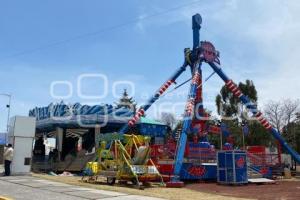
(28,188)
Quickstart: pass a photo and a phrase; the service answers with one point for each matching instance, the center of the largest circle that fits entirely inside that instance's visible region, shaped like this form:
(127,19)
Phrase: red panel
(256,149)
(214,129)
(165,168)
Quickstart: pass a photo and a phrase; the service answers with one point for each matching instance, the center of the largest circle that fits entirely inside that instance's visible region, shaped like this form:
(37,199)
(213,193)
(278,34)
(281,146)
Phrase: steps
(261,180)
(253,173)
(254,176)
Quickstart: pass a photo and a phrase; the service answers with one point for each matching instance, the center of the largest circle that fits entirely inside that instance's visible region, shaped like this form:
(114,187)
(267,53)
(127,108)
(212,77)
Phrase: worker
(8,157)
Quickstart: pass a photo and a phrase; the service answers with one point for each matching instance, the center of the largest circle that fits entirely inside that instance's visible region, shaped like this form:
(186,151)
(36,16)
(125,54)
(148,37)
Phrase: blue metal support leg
(253,108)
(141,111)
(188,116)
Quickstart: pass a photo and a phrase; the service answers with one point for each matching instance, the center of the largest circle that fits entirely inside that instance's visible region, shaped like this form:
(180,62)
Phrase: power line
(85,35)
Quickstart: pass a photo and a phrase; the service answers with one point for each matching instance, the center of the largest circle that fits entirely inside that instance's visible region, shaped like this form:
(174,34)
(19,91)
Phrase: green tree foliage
(214,139)
(228,106)
(258,135)
(292,135)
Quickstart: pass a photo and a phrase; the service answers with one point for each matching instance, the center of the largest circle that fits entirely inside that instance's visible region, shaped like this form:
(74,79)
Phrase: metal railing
(263,159)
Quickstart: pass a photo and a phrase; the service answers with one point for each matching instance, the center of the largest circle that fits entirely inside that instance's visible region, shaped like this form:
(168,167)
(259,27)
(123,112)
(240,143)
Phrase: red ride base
(177,184)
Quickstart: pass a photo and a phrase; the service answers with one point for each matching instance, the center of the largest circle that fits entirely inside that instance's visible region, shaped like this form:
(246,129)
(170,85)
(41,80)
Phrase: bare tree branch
(282,113)
(168,119)
(274,113)
(291,108)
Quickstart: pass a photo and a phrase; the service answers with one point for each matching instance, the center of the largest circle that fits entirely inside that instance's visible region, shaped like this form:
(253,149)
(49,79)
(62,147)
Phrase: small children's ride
(125,160)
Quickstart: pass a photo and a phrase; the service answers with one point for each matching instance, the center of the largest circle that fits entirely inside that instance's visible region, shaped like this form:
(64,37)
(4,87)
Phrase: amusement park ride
(195,117)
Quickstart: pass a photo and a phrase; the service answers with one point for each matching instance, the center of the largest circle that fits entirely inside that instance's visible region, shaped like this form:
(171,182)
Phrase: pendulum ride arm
(196,25)
(188,116)
(252,107)
(159,92)
(190,105)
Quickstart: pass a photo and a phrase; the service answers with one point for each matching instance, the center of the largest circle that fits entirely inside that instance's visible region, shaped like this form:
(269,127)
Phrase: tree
(249,89)
(228,105)
(282,113)
(291,133)
(291,109)
(168,119)
(297,120)
(274,113)
(258,135)
(126,102)
(284,116)
(291,128)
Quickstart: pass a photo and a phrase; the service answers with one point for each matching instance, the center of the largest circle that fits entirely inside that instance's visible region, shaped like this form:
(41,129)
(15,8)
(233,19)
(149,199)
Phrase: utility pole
(245,131)
(8,113)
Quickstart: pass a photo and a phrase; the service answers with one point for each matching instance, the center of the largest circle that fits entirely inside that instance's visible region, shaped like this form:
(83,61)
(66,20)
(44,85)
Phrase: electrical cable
(85,35)
(183,83)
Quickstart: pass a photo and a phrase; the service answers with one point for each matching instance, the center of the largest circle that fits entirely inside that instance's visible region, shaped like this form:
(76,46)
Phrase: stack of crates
(232,167)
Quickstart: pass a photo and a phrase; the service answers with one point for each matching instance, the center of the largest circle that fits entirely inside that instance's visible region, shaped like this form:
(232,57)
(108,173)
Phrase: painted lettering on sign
(264,170)
(197,171)
(240,162)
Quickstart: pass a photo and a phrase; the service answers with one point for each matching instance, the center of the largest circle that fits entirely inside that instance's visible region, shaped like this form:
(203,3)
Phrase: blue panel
(265,171)
(229,175)
(232,167)
(228,160)
(153,130)
(241,175)
(190,171)
(221,159)
(222,175)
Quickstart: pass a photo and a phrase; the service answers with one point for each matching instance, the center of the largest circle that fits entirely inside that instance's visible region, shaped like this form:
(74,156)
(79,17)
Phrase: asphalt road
(28,188)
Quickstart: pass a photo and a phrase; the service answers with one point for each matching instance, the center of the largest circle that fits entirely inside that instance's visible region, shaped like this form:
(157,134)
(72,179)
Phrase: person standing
(8,157)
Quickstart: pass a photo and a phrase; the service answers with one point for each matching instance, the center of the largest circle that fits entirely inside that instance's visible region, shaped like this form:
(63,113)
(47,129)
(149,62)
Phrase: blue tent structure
(75,124)
(77,116)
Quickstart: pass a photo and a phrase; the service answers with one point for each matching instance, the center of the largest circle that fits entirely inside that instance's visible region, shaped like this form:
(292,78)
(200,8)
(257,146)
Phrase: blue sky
(258,40)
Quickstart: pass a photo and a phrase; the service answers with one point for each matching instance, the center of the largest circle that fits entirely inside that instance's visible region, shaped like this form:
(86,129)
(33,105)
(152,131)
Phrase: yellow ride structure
(126,160)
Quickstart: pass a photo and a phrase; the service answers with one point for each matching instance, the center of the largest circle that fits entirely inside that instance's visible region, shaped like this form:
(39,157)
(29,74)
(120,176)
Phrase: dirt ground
(282,190)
